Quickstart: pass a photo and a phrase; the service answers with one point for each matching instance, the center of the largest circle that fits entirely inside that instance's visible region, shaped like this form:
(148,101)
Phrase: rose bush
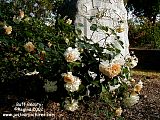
(66,66)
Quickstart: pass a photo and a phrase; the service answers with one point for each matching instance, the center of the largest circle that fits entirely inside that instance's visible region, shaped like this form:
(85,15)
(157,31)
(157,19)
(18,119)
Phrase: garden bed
(148,107)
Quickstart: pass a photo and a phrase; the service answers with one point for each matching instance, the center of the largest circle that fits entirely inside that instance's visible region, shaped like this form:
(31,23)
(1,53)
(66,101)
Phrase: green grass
(146,73)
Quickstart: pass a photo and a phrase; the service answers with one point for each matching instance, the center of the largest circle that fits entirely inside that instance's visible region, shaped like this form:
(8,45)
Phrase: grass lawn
(146,73)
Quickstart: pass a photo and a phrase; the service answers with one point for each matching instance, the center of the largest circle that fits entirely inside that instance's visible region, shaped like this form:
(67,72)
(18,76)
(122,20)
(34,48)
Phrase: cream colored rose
(118,111)
(120,29)
(68,77)
(72,82)
(113,88)
(67,40)
(110,70)
(69,21)
(50,86)
(49,44)
(8,30)
(71,54)
(138,87)
(42,54)
(32,73)
(21,14)
(72,87)
(131,61)
(29,47)
(132,99)
(71,106)
(133,93)
(133,81)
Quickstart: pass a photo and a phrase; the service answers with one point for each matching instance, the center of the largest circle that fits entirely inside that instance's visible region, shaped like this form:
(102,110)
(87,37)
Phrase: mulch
(148,107)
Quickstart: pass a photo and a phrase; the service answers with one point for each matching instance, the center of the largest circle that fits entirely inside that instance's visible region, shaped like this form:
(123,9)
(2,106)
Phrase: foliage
(144,34)
(56,62)
(146,8)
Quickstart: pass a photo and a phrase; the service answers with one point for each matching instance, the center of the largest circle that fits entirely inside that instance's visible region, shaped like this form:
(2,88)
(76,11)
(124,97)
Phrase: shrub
(48,59)
(144,34)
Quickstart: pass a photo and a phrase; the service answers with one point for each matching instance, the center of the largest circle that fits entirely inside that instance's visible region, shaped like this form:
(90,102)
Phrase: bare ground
(148,107)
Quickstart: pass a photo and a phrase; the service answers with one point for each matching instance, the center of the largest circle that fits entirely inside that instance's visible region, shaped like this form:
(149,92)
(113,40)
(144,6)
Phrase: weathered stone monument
(108,13)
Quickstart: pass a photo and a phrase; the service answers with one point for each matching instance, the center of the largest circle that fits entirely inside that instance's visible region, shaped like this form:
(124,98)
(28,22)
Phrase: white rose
(50,86)
(113,88)
(68,77)
(71,54)
(69,21)
(32,73)
(71,106)
(131,61)
(29,47)
(110,69)
(92,74)
(131,100)
(118,111)
(8,29)
(138,87)
(74,86)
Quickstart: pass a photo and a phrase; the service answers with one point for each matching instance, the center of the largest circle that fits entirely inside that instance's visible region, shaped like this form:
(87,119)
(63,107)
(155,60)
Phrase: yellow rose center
(69,78)
(70,57)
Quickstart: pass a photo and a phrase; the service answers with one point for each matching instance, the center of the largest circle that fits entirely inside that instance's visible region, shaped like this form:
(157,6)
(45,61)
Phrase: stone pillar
(111,13)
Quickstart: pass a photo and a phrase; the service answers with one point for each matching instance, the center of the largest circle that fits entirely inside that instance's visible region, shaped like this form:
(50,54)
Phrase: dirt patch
(148,107)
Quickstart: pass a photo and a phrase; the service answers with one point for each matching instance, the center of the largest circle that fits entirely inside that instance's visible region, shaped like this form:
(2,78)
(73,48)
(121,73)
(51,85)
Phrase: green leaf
(81,88)
(48,49)
(96,83)
(117,50)
(121,43)
(77,63)
(104,88)
(78,31)
(41,45)
(110,49)
(93,27)
(91,18)
(115,81)
(29,34)
(126,70)
(105,28)
(80,25)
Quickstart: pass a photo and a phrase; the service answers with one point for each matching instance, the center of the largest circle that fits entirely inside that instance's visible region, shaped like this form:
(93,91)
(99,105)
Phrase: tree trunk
(109,13)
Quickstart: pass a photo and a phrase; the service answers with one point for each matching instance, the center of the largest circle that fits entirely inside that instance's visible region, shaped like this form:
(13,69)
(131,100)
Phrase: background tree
(146,8)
